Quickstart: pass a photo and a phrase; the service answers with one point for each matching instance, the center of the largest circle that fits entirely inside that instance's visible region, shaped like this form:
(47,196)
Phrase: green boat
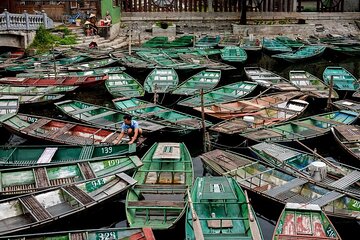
(8,105)
(37,99)
(51,73)
(302,54)
(310,84)
(91,234)
(208,41)
(155,42)
(174,121)
(289,42)
(33,155)
(158,200)
(233,54)
(183,41)
(343,80)
(206,80)
(106,62)
(306,222)
(161,80)
(229,40)
(102,117)
(251,44)
(20,180)
(302,129)
(273,46)
(347,50)
(227,93)
(7,89)
(123,85)
(205,62)
(131,61)
(220,209)
(34,210)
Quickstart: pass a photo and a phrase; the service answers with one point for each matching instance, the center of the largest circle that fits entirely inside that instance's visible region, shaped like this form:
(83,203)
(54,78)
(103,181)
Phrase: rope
(225,147)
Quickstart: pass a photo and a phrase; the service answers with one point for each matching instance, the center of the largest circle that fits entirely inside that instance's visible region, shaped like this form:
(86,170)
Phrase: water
(112,213)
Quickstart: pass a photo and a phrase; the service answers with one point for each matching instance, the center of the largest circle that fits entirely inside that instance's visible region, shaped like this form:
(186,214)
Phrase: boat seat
(37,211)
(110,138)
(169,187)
(18,189)
(41,177)
(81,196)
(156,204)
(218,223)
(47,155)
(61,131)
(86,170)
(38,124)
(61,181)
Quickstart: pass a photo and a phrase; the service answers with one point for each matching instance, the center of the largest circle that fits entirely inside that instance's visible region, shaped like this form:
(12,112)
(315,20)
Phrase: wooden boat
(310,84)
(22,180)
(229,40)
(208,41)
(273,46)
(155,42)
(205,62)
(92,234)
(183,41)
(102,117)
(57,131)
(162,80)
(352,51)
(250,44)
(38,209)
(313,166)
(38,99)
(100,63)
(174,121)
(123,85)
(233,54)
(8,105)
(268,116)
(227,93)
(7,89)
(347,104)
(206,80)
(51,73)
(35,155)
(223,211)
(278,185)
(158,200)
(292,43)
(242,107)
(268,79)
(302,54)
(63,81)
(299,221)
(348,138)
(302,129)
(343,80)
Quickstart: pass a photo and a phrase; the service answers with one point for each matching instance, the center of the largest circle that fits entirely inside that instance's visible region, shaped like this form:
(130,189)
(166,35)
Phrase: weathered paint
(115,11)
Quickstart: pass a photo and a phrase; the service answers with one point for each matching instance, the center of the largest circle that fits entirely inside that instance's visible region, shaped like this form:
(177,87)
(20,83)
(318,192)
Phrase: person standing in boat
(131,128)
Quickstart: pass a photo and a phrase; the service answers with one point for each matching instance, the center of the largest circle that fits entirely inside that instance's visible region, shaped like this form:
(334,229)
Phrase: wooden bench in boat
(167,151)
(156,204)
(81,196)
(41,177)
(18,189)
(327,198)
(166,187)
(347,180)
(86,170)
(36,210)
(38,124)
(219,223)
(47,155)
(110,138)
(60,131)
(296,182)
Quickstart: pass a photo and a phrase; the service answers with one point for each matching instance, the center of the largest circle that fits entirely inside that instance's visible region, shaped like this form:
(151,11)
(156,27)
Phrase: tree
(243,12)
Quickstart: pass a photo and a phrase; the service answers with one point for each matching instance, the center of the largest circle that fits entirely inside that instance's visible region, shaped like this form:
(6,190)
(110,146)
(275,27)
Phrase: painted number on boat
(113,162)
(31,119)
(330,232)
(106,235)
(93,185)
(106,150)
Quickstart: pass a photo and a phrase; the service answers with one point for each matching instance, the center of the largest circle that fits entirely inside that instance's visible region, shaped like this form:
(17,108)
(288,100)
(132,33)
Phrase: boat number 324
(106,150)
(106,236)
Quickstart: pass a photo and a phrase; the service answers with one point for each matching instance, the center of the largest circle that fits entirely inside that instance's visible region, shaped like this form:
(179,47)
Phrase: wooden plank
(86,170)
(35,208)
(38,124)
(296,182)
(41,177)
(347,180)
(167,151)
(327,198)
(61,131)
(79,194)
(47,155)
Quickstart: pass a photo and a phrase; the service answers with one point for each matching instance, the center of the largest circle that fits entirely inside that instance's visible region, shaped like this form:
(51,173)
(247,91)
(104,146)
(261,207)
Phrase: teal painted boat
(51,73)
(279,186)
(155,42)
(227,93)
(21,180)
(221,209)
(8,105)
(338,176)
(158,200)
(34,210)
(306,222)
(343,80)
(100,63)
(310,84)
(229,40)
(273,46)
(102,117)
(161,80)
(183,41)
(289,42)
(233,54)
(302,129)
(174,121)
(34,155)
(268,79)
(208,41)
(205,62)
(91,234)
(302,54)
(123,85)
(251,44)
(206,80)
(7,89)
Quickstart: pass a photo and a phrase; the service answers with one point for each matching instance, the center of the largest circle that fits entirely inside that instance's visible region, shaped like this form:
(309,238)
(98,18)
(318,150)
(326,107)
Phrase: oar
(254,228)
(195,220)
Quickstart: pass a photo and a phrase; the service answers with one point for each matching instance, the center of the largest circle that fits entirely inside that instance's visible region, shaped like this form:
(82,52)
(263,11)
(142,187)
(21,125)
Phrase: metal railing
(25,21)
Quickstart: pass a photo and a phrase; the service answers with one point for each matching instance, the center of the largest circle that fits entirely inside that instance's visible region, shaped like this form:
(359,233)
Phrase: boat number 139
(106,150)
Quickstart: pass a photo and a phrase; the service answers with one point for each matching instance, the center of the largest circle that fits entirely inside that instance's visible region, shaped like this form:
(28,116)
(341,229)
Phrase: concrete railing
(25,21)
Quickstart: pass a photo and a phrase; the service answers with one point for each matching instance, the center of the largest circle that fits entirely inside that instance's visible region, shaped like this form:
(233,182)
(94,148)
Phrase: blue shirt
(134,124)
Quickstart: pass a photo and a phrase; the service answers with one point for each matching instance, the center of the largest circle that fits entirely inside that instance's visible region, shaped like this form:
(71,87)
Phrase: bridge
(18,30)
